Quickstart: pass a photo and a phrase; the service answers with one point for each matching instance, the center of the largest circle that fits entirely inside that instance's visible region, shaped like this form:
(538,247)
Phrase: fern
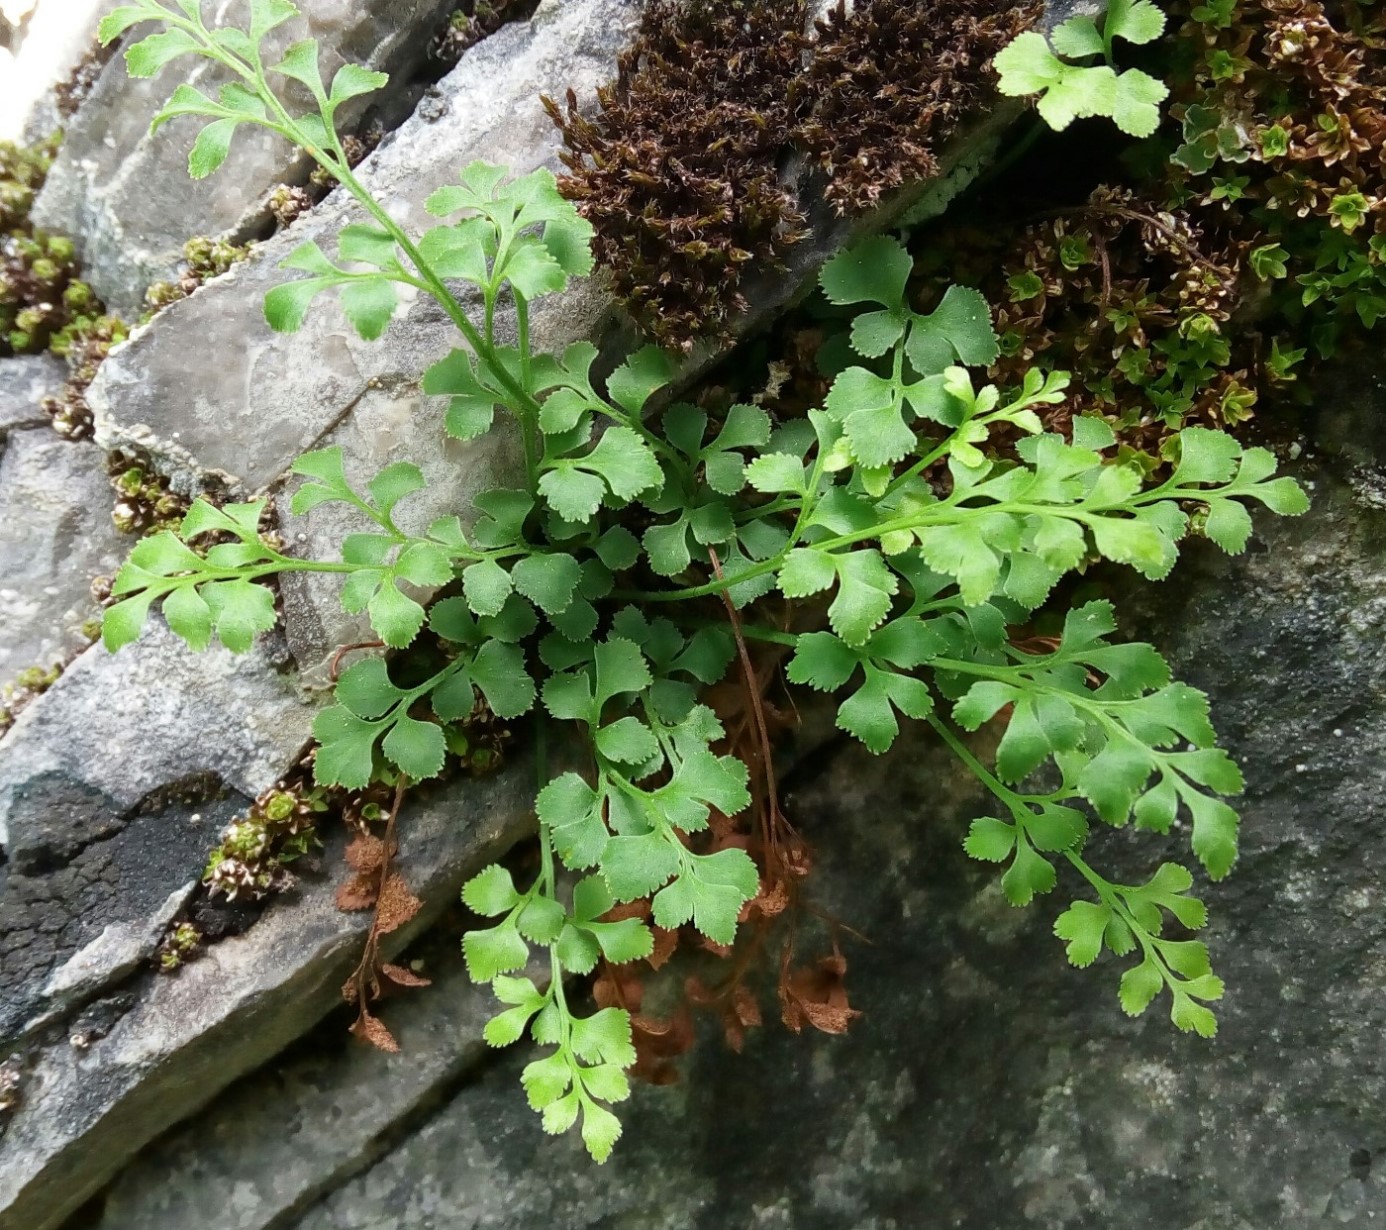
(910,544)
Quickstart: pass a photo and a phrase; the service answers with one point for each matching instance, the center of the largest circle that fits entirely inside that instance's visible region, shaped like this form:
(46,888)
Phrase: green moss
(24,689)
(41,295)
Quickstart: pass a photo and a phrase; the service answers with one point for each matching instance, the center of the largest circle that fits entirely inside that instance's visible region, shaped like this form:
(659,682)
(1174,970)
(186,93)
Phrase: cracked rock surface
(113,786)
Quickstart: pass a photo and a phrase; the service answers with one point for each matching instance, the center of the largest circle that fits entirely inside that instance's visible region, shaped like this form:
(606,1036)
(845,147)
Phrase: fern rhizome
(889,544)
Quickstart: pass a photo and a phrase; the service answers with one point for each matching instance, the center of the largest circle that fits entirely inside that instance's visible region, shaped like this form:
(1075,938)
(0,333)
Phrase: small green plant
(910,543)
(1059,69)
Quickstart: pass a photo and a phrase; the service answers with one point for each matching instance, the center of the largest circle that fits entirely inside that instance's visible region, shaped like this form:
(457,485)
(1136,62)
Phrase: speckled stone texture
(113,786)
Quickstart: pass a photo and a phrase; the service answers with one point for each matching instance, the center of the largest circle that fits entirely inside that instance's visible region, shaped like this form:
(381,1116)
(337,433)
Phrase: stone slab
(113,786)
(56,537)
(24,382)
(125,196)
(87,1112)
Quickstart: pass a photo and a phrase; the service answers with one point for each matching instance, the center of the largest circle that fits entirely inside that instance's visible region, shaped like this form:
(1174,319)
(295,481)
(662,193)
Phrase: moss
(203,260)
(468,25)
(681,172)
(255,851)
(24,689)
(84,343)
(1244,239)
(178,947)
(892,82)
(144,503)
(40,292)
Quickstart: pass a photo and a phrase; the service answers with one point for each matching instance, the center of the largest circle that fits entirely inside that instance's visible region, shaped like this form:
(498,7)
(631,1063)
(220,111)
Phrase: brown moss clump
(679,174)
(682,173)
(1133,298)
(892,82)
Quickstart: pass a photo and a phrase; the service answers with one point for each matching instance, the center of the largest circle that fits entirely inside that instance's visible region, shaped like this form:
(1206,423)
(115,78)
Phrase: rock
(268,398)
(126,197)
(56,536)
(113,786)
(24,383)
(112,955)
(86,1113)
(244,1146)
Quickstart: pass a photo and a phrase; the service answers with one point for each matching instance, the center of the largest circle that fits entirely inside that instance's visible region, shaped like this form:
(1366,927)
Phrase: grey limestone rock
(24,382)
(271,1157)
(126,196)
(112,788)
(87,1112)
(247,411)
(56,536)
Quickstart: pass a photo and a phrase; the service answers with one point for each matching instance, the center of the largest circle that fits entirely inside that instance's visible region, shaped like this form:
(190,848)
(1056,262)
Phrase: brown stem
(1136,215)
(753,688)
(334,670)
(365,970)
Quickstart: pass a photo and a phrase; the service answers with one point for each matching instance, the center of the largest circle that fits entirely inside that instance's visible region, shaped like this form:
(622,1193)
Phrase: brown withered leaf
(397,905)
(402,976)
(357,893)
(365,853)
(772,900)
(816,995)
(658,1042)
(665,944)
(372,1029)
(735,1004)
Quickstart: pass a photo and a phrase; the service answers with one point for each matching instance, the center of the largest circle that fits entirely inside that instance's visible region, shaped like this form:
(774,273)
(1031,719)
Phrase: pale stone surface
(272,1157)
(126,196)
(56,536)
(214,713)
